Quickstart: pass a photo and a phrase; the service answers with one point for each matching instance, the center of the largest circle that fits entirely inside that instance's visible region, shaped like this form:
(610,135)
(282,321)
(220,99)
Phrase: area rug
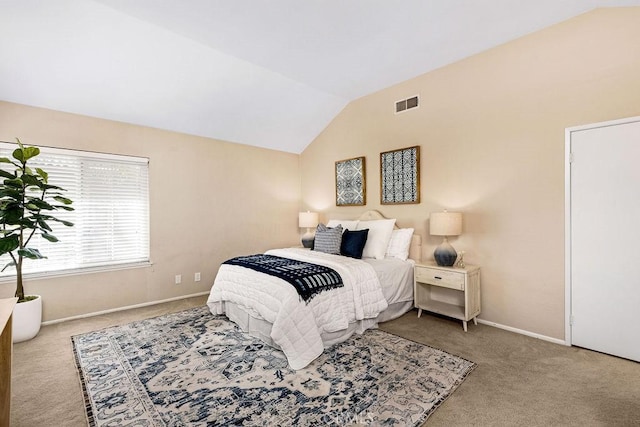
(194,369)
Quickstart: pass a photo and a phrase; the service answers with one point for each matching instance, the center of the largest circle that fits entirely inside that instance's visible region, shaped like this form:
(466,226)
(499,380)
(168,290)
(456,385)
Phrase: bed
(376,289)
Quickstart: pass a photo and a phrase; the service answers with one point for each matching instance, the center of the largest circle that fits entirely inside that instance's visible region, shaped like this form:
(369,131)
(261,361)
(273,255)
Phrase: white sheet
(396,278)
(297,326)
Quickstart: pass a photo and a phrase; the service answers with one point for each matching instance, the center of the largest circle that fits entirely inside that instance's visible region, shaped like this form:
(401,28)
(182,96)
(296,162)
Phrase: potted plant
(26,202)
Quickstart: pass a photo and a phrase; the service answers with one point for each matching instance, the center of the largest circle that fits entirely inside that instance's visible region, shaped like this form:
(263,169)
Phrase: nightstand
(450,291)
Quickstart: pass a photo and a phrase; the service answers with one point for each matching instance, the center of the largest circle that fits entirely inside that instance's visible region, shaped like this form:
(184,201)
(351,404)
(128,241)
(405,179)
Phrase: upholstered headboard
(415,250)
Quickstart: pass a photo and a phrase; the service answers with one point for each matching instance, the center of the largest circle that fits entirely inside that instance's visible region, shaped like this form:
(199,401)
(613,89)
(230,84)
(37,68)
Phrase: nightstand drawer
(445,279)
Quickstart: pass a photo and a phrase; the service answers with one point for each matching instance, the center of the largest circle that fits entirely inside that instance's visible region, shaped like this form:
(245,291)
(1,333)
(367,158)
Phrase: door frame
(567,214)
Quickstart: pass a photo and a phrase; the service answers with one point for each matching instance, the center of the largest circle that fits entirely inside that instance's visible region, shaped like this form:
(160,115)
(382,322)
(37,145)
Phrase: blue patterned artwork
(193,368)
(350,182)
(400,176)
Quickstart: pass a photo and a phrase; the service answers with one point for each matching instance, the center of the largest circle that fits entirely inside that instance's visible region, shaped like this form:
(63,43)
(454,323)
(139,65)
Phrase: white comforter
(296,325)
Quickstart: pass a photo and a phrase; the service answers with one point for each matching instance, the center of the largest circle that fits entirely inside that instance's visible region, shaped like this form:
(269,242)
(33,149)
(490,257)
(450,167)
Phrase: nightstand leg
(475,320)
(464,325)
(419,312)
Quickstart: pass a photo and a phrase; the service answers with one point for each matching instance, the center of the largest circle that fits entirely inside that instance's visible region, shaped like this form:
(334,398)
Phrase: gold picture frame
(351,189)
(400,176)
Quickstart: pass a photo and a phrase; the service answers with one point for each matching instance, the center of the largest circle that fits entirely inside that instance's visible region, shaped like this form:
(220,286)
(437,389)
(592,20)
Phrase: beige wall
(491,132)
(210,200)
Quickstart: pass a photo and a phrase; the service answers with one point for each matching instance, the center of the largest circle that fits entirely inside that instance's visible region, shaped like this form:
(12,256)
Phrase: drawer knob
(437,277)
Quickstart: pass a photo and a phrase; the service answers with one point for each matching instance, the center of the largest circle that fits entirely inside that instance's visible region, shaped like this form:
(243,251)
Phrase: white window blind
(110,196)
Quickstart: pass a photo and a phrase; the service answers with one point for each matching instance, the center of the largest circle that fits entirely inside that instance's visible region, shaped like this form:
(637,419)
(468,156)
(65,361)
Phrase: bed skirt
(256,326)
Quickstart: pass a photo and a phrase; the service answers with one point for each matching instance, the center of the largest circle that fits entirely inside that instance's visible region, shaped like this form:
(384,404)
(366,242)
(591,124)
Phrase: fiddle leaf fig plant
(26,203)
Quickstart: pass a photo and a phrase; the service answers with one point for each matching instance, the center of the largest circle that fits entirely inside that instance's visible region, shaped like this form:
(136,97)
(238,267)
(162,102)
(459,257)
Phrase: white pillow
(399,243)
(346,224)
(378,238)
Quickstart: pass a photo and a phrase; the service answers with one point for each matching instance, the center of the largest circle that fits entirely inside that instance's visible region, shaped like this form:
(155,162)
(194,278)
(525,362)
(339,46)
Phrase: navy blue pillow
(353,243)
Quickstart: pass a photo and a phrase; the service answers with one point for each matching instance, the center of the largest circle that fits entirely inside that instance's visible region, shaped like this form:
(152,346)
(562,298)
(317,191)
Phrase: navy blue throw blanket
(308,279)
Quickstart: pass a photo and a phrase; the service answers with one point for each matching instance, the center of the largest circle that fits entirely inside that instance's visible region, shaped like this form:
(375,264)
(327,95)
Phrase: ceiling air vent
(406,104)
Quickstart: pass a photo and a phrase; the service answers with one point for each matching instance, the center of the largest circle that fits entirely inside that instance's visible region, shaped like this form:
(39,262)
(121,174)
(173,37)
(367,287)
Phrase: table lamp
(445,224)
(307,220)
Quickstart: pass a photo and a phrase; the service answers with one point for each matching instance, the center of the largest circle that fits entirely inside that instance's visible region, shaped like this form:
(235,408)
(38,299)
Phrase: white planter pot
(27,317)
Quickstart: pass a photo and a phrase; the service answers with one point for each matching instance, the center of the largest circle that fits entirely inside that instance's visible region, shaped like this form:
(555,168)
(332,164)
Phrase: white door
(605,238)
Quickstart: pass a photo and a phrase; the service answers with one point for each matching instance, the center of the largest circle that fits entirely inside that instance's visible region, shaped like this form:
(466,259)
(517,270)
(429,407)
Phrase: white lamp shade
(307,219)
(445,223)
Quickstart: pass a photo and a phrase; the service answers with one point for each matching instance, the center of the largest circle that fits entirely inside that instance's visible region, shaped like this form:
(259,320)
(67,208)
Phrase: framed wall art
(350,182)
(400,176)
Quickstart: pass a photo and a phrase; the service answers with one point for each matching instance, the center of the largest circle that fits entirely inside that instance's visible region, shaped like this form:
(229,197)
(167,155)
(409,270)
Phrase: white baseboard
(146,304)
(129,307)
(523,332)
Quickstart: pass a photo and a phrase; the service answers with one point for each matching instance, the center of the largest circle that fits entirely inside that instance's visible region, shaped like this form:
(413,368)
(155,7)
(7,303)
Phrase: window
(110,195)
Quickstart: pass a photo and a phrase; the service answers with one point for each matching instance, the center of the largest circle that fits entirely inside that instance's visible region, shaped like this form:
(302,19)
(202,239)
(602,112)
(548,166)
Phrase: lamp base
(444,254)
(307,240)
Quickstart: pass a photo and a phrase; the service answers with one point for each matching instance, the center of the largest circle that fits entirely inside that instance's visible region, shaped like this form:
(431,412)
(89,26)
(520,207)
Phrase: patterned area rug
(193,369)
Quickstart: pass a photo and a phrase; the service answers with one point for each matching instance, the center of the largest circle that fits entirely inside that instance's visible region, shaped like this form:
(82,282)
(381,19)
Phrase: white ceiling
(266,73)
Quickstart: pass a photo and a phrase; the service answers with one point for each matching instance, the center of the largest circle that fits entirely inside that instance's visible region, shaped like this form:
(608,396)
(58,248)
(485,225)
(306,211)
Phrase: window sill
(77,271)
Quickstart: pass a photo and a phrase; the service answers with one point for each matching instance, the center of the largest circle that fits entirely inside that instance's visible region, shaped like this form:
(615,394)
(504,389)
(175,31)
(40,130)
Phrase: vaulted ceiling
(265,73)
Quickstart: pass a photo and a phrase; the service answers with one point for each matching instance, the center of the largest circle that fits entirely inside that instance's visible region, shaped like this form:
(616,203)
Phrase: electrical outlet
(196,277)
(178,279)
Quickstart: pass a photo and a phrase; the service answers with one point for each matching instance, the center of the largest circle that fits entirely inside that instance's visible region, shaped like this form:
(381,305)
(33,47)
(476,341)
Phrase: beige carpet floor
(519,381)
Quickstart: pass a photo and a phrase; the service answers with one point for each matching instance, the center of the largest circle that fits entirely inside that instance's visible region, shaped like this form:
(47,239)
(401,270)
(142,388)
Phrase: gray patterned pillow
(328,239)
